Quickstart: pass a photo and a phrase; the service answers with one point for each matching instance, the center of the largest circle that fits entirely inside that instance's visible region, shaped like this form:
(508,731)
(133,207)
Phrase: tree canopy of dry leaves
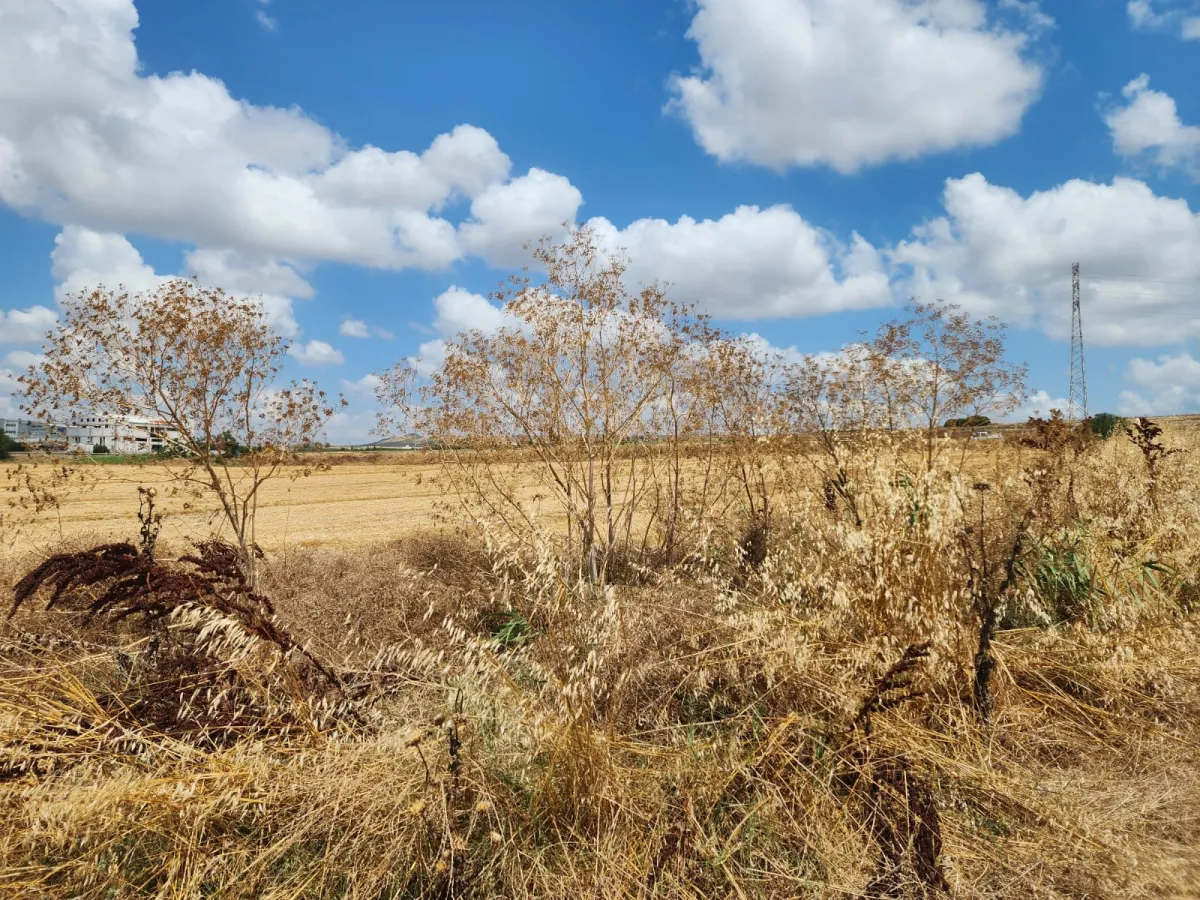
(633,411)
(597,391)
(897,388)
(944,364)
(203,363)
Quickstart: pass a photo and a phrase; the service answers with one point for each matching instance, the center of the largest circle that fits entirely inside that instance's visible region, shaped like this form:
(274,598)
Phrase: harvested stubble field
(360,500)
(424,713)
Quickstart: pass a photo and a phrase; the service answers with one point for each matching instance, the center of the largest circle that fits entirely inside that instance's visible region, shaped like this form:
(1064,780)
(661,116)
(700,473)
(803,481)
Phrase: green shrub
(1063,579)
(1105,425)
(100,450)
(7,446)
(968,422)
(229,446)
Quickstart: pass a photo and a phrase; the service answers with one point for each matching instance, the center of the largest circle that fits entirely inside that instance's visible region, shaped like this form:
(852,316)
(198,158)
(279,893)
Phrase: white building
(26,432)
(129,434)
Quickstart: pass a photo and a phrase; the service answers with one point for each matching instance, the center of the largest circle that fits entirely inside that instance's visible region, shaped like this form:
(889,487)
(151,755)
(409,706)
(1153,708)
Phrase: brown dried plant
(940,363)
(597,395)
(829,399)
(1145,434)
(992,551)
(202,363)
(898,807)
(1064,447)
(799,728)
(891,391)
(37,488)
(199,621)
(683,739)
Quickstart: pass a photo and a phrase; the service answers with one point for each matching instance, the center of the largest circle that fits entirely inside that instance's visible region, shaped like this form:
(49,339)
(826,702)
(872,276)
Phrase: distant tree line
(968,422)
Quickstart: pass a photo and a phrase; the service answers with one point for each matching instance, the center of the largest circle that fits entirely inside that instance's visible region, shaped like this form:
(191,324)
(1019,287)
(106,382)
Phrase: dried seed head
(418,808)
(440,866)
(483,806)
(414,738)
(495,837)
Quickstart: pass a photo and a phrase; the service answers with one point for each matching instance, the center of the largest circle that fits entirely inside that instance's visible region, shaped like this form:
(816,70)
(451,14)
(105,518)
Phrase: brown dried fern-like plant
(1146,434)
(899,809)
(207,641)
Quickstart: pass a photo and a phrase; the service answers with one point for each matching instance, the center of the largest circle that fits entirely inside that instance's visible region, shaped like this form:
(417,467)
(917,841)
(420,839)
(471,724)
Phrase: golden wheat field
(357,501)
(347,505)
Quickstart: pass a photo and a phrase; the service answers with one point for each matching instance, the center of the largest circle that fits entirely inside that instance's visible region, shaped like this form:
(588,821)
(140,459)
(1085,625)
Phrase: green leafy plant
(228,445)
(513,632)
(1105,425)
(1062,577)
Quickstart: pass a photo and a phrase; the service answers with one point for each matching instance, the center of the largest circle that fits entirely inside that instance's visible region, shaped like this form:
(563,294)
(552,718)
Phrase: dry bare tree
(742,382)
(600,389)
(915,372)
(837,401)
(939,363)
(202,363)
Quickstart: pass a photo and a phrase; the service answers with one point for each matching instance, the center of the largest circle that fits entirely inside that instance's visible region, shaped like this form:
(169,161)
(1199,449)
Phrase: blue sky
(797,167)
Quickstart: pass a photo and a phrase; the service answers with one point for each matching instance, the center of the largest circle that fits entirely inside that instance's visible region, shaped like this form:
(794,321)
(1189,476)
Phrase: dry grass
(699,731)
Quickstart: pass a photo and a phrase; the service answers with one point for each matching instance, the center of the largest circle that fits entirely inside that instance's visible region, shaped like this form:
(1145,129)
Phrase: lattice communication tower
(1078,408)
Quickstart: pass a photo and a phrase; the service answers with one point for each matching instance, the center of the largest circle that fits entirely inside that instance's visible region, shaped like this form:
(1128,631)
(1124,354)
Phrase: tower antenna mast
(1078,405)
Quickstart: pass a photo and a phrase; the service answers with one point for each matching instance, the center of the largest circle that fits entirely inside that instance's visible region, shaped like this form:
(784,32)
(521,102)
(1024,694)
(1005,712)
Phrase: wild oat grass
(802,723)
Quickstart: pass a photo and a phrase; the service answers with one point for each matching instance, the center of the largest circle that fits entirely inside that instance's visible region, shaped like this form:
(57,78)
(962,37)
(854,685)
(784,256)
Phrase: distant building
(26,432)
(130,434)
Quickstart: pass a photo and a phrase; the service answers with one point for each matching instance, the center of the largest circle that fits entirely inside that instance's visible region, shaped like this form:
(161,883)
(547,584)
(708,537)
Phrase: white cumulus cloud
(1147,125)
(1163,386)
(998,252)
(1038,403)
(26,326)
(23,359)
(505,217)
(316,353)
(362,387)
(10,403)
(83,259)
(86,139)
(751,264)
(464,162)
(356,328)
(1179,16)
(457,310)
(854,83)
(267,21)
(350,427)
